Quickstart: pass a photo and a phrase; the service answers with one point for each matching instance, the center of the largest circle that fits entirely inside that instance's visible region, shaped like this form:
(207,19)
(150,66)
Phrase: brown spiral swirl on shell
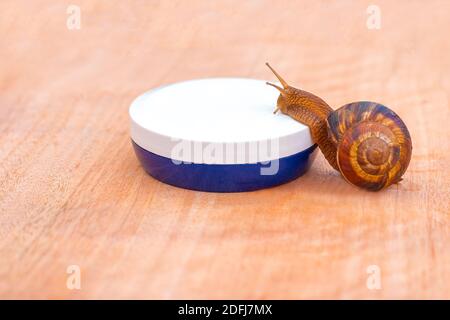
(373,144)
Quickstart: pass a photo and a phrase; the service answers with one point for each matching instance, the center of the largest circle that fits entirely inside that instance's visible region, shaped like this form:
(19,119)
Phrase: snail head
(287,93)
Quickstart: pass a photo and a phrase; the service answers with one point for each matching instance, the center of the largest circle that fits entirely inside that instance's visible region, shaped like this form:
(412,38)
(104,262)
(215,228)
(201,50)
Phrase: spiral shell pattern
(374,145)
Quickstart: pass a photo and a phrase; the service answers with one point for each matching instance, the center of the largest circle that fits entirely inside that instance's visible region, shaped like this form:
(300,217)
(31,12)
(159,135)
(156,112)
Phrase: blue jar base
(225,177)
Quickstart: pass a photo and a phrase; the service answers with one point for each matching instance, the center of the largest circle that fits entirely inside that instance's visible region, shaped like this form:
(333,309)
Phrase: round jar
(218,135)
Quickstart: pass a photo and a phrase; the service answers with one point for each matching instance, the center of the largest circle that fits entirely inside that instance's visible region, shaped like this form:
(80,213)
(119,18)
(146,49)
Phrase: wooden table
(73,194)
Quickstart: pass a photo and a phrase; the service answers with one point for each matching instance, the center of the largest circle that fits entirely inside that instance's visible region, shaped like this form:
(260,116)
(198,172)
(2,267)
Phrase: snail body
(365,141)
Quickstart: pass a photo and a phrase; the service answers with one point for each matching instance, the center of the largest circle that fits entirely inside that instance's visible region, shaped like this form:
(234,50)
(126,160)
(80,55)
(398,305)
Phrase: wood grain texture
(73,193)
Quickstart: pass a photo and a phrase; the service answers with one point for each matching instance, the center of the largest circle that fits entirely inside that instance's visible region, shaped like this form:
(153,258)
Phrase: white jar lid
(216,121)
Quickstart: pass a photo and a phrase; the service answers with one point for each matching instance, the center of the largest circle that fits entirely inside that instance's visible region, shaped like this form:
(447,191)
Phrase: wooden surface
(73,193)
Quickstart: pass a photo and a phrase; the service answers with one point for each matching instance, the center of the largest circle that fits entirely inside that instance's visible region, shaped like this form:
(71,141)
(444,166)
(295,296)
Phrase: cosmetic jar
(218,135)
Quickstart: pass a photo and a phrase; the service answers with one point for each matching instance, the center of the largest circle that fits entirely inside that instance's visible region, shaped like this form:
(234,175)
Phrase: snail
(365,141)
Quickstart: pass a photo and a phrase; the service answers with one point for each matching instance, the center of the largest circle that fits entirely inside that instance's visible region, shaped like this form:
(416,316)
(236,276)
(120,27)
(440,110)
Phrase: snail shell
(373,144)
